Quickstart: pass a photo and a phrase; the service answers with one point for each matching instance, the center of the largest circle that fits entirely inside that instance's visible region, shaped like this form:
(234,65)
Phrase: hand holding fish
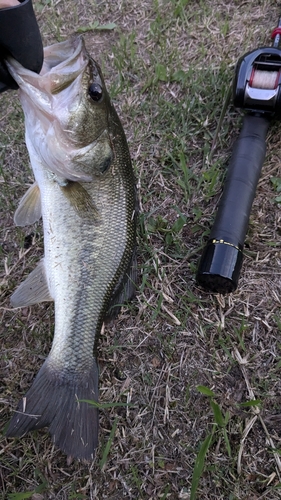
(4,4)
(19,37)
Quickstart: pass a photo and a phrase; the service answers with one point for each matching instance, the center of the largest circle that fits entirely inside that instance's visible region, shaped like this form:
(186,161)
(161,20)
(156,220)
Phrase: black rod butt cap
(220,267)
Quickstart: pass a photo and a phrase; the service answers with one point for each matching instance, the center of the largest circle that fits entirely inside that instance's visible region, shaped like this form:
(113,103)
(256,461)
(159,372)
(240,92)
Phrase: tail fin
(54,401)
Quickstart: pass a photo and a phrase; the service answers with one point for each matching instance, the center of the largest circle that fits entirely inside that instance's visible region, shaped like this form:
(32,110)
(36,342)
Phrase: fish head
(66,111)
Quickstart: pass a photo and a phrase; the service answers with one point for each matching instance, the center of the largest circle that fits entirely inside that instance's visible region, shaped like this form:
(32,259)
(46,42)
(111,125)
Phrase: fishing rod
(257,90)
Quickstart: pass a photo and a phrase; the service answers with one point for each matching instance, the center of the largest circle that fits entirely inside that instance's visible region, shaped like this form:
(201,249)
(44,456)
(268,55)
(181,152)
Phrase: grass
(168,65)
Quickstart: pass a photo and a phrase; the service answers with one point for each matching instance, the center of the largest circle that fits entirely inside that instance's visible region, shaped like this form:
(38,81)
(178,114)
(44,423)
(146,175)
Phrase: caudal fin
(54,401)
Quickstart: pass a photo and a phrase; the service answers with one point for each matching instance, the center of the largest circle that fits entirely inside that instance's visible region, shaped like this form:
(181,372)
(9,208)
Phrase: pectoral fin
(29,209)
(33,290)
(80,199)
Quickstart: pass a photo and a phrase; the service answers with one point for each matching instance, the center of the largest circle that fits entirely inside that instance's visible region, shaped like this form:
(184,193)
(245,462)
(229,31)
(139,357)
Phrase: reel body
(257,81)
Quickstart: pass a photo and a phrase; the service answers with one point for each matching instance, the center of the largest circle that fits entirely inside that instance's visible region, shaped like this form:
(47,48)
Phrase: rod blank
(221,262)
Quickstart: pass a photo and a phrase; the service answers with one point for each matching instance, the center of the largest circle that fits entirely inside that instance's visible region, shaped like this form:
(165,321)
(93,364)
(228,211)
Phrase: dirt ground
(197,368)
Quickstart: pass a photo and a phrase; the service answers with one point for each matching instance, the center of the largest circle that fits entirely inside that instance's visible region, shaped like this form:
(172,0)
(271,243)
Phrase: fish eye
(95,92)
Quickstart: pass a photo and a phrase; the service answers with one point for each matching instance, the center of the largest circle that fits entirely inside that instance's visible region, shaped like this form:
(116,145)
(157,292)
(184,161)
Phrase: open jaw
(63,63)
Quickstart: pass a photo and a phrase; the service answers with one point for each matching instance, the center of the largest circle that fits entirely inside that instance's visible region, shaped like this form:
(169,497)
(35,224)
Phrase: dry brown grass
(175,336)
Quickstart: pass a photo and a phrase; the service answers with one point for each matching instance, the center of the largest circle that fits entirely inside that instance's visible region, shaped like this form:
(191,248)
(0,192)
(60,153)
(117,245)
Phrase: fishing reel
(257,81)
(257,90)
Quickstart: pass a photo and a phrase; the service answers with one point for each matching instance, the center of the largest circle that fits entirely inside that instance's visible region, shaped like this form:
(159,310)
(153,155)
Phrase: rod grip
(221,261)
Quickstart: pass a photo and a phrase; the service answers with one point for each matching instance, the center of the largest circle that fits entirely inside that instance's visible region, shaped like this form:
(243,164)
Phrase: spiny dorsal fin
(29,209)
(33,290)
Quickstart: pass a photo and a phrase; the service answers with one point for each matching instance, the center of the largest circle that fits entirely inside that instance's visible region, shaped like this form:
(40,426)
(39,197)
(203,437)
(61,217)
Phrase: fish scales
(84,177)
(86,261)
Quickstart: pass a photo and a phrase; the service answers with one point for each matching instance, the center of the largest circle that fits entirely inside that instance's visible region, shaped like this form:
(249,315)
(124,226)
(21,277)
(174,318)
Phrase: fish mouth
(50,99)
(63,63)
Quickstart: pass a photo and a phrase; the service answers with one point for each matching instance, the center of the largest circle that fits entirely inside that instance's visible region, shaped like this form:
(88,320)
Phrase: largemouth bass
(85,191)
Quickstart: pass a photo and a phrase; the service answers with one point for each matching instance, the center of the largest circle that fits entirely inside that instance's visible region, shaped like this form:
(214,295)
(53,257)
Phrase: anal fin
(29,209)
(33,290)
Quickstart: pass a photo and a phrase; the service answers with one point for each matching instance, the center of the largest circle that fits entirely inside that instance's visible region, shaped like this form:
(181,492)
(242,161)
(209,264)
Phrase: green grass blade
(20,496)
(108,444)
(102,406)
(227,443)
(205,390)
(96,26)
(137,480)
(199,465)
(217,413)
(252,402)
(221,118)
(29,494)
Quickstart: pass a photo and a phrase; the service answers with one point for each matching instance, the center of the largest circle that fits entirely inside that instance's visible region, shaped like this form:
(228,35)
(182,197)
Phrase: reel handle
(221,262)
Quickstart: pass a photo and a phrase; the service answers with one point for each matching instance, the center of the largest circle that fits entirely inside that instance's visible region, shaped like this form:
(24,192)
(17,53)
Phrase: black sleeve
(19,37)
